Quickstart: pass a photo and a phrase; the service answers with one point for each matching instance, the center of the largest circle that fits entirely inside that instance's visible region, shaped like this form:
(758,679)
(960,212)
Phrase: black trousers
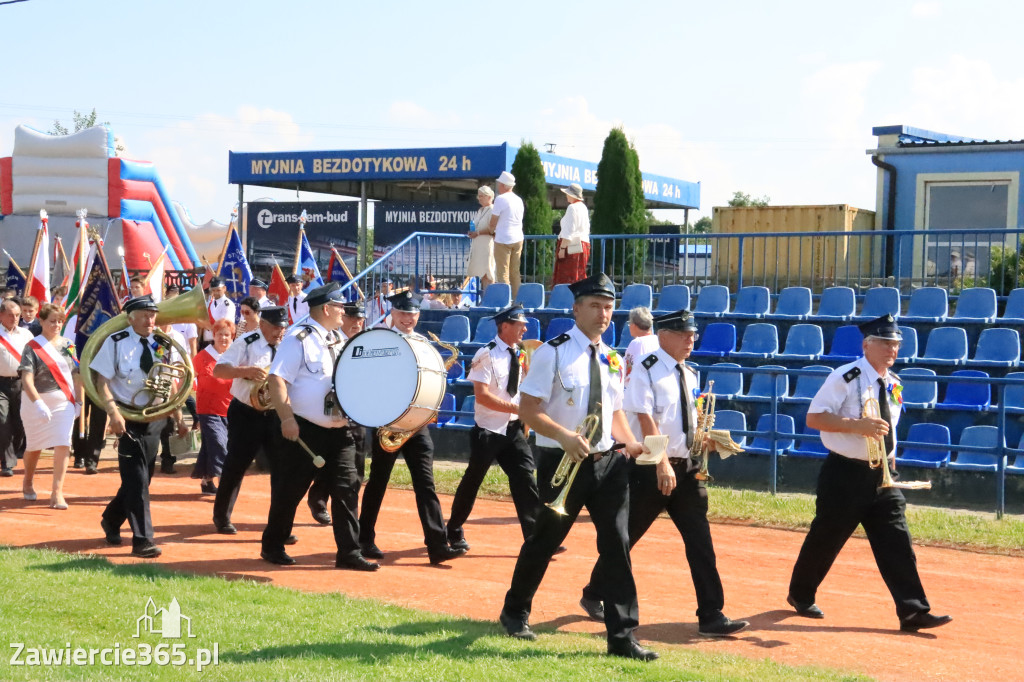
(12,433)
(166,456)
(515,458)
(418,452)
(248,430)
(848,495)
(603,488)
(687,506)
(136,455)
(88,450)
(296,471)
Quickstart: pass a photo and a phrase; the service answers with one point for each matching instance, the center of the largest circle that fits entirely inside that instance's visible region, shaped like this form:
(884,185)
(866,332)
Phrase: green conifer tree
(619,209)
(531,186)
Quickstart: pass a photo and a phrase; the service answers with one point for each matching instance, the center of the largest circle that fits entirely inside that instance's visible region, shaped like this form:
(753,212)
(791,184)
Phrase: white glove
(43,409)
(78,410)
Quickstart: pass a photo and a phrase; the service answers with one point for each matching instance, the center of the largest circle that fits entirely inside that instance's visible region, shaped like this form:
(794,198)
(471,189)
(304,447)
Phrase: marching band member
(13,340)
(246,362)
(302,391)
(219,306)
(572,376)
(848,489)
(418,452)
(297,306)
(258,290)
(496,373)
(121,366)
(661,394)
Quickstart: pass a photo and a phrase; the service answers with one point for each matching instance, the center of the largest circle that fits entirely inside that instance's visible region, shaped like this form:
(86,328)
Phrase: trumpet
(567,468)
(705,433)
(878,457)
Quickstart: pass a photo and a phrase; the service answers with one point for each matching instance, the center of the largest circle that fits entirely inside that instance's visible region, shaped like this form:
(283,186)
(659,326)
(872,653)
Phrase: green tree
(80,122)
(703,225)
(744,199)
(532,188)
(619,208)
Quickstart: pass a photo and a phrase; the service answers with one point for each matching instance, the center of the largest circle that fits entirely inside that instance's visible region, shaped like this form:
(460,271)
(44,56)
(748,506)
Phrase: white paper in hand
(657,445)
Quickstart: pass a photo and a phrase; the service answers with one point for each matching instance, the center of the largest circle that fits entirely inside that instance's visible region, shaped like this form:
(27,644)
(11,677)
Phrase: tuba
(161,395)
(392,441)
(259,396)
(878,458)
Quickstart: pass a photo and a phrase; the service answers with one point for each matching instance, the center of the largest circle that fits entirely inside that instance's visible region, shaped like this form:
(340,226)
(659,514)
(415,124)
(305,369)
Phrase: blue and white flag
(99,301)
(337,271)
(305,265)
(15,278)
(234,269)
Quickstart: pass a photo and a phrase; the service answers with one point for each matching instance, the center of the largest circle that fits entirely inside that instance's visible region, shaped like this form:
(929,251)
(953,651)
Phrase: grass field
(54,600)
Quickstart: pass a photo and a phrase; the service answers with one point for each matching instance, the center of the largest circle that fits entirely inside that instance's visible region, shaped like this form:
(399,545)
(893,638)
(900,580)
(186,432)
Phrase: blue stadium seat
(964,397)
(812,449)
(558,326)
(455,329)
(933,434)
(457,371)
(1017,467)
(560,300)
(712,301)
(752,303)
(761,386)
(635,296)
(803,342)
(464,419)
(976,305)
(731,421)
(919,387)
(674,297)
(807,385)
(927,304)
(1014,312)
(496,296)
(979,436)
(625,337)
(530,295)
(997,347)
(879,301)
(837,303)
(760,340)
(609,334)
(847,345)
(946,346)
(794,304)
(446,413)
(717,341)
(762,445)
(1013,396)
(728,385)
(532,328)
(908,347)
(486,330)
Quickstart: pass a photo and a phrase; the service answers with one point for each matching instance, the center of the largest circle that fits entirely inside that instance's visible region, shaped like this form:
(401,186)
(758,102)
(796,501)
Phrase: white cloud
(926,10)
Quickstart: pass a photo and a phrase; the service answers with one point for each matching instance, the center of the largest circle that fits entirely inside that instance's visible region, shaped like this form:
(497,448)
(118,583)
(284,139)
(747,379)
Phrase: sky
(771,99)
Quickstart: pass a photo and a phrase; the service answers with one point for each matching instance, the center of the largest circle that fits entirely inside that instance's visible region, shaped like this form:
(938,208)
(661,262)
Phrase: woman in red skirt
(572,252)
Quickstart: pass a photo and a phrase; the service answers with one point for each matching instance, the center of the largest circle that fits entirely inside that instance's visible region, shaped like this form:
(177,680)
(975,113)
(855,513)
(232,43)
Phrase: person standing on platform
(849,492)
(302,391)
(121,366)
(572,251)
(661,396)
(13,340)
(418,452)
(218,307)
(297,307)
(252,424)
(496,373)
(571,377)
(507,227)
(481,251)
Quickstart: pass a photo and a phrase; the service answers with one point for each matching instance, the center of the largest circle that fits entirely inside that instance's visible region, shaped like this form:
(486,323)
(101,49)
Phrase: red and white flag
(39,269)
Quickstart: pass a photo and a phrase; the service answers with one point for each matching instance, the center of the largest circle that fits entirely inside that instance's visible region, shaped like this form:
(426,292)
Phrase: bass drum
(385,378)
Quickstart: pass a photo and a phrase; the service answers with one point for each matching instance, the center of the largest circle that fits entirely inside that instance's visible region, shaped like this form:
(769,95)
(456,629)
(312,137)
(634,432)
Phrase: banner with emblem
(234,268)
(337,271)
(99,301)
(15,277)
(305,264)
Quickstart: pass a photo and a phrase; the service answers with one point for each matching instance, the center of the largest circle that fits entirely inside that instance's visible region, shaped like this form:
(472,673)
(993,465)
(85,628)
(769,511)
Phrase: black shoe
(443,555)
(91,468)
(372,551)
(166,467)
(224,527)
(111,535)
(6,473)
(560,549)
(356,563)
(516,628)
(321,517)
(291,540)
(277,556)
(922,620)
(630,648)
(594,608)
(721,628)
(208,488)
(147,551)
(460,544)
(805,610)
(79,463)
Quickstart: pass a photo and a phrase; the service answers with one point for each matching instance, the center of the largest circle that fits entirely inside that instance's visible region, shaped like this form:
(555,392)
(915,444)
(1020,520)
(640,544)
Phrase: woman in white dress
(481,252)
(49,376)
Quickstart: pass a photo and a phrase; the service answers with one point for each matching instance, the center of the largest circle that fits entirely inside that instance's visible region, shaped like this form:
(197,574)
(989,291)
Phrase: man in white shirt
(507,225)
(258,290)
(219,307)
(643,341)
(13,340)
(297,308)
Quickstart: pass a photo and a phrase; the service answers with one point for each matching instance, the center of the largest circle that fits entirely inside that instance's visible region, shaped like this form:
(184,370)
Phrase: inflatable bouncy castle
(126,200)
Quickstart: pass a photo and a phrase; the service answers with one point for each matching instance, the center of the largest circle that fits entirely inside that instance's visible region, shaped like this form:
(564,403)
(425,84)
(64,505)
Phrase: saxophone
(392,441)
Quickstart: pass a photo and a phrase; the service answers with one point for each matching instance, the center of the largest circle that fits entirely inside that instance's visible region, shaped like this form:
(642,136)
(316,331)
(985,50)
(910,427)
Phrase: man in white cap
(507,225)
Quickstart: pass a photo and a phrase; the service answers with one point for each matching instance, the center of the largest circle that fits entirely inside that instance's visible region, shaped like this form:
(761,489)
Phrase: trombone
(567,468)
(878,458)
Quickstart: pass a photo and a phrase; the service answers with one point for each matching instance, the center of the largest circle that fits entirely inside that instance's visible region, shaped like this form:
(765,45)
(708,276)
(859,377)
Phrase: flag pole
(348,273)
(35,251)
(16,266)
(298,242)
(224,249)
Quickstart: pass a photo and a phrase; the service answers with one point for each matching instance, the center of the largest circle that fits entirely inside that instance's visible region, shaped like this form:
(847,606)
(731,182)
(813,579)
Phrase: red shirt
(212,395)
